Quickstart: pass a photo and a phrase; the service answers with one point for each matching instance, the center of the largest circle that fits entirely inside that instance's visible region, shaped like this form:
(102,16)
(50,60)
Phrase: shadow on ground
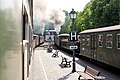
(65,77)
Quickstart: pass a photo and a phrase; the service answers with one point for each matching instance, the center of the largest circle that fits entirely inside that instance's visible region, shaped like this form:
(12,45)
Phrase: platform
(45,67)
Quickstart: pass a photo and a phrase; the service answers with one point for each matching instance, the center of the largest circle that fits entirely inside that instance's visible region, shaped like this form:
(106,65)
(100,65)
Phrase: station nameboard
(73,36)
(73,47)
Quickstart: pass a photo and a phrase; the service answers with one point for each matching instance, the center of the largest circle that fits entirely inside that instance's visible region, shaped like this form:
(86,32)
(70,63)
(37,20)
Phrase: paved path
(45,67)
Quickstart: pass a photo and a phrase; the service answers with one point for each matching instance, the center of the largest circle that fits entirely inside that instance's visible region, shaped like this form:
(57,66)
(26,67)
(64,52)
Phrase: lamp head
(72,14)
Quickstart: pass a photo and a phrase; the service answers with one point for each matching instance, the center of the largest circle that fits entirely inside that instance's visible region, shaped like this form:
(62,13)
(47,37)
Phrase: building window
(100,40)
(88,40)
(118,41)
(109,40)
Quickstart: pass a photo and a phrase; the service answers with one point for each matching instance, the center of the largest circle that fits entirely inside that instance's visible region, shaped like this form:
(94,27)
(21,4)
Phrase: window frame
(108,41)
(99,41)
(88,39)
(117,41)
(83,40)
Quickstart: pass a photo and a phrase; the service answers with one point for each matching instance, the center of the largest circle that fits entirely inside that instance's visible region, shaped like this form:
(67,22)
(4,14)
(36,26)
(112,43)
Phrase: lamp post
(73,16)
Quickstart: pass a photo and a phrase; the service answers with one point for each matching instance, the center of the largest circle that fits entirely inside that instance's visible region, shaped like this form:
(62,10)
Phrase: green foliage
(98,13)
(65,27)
(69,27)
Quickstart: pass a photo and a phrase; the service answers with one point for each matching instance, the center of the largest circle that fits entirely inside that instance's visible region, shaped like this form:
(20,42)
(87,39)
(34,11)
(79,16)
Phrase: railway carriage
(16,39)
(102,44)
(63,42)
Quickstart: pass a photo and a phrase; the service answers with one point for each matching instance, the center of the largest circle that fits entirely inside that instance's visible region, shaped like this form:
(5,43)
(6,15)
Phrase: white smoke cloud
(40,10)
(57,17)
(45,15)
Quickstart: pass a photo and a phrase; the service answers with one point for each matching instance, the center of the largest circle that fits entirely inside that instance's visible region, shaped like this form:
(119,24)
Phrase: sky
(78,5)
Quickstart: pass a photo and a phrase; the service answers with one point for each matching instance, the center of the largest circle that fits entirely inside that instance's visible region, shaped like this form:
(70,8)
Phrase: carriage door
(93,46)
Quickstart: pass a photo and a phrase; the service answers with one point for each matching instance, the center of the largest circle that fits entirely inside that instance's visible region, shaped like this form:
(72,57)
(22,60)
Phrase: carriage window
(83,40)
(100,40)
(118,41)
(88,40)
(65,38)
(109,41)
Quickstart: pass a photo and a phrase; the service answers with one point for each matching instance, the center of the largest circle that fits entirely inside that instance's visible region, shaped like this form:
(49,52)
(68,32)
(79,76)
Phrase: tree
(65,26)
(98,13)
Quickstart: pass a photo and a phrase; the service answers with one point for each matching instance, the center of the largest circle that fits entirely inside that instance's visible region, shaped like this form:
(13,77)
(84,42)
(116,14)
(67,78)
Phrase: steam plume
(57,17)
(44,15)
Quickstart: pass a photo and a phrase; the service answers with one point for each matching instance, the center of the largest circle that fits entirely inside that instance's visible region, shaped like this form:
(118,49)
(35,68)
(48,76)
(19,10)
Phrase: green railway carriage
(102,44)
(10,39)
(62,40)
(15,26)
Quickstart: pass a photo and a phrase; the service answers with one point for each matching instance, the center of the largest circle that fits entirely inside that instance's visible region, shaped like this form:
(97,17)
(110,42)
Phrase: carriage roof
(116,27)
(63,35)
